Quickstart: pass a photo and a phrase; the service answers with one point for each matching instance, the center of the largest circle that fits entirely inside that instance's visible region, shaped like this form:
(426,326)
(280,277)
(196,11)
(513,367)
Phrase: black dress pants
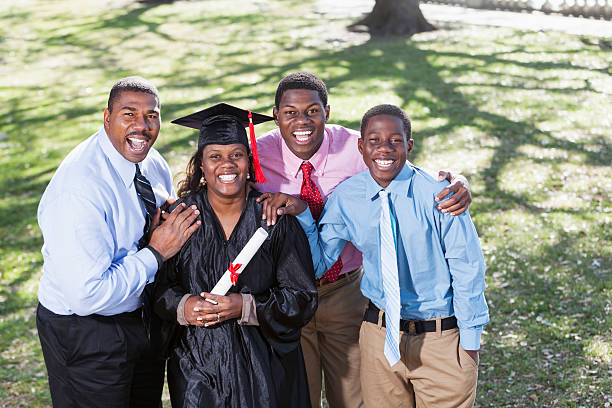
(100,361)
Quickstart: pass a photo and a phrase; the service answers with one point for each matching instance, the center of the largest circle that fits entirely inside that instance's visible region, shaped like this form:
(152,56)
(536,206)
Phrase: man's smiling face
(133,124)
(301,118)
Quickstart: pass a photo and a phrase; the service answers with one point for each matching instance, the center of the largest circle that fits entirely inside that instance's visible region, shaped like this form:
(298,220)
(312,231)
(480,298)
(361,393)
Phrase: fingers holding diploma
(201,310)
(197,309)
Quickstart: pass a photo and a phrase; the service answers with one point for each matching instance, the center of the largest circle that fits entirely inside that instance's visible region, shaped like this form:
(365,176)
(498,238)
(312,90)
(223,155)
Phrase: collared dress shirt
(91,219)
(440,263)
(336,160)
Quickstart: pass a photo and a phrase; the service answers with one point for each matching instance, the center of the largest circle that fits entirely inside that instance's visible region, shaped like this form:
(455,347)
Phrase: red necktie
(310,193)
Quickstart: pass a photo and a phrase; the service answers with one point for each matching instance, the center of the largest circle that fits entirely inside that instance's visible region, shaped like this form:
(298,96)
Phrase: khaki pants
(434,370)
(330,343)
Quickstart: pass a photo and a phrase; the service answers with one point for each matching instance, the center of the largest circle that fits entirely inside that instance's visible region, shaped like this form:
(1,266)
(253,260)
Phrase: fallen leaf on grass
(534,397)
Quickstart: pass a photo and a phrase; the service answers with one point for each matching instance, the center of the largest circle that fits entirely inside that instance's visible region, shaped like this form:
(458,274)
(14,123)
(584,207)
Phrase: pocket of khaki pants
(361,335)
(464,358)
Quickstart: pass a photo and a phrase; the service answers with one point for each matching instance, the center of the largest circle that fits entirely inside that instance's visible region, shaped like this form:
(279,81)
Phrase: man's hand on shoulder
(462,197)
(275,204)
(164,209)
(169,236)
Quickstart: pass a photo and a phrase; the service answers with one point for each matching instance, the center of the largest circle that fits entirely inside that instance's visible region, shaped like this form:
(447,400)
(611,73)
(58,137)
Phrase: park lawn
(524,115)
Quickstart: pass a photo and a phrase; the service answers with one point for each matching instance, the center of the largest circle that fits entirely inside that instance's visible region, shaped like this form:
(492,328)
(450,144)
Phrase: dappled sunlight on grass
(599,348)
(525,115)
(526,177)
(452,154)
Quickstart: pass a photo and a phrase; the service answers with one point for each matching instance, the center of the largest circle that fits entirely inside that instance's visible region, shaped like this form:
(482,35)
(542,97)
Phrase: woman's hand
(196,310)
(275,204)
(200,312)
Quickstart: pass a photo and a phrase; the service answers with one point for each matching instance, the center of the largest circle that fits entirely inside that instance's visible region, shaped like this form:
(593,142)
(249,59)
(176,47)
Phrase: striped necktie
(145,193)
(388,263)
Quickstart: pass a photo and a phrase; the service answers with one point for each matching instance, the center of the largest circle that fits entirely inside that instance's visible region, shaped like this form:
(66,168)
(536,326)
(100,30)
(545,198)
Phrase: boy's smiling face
(384,147)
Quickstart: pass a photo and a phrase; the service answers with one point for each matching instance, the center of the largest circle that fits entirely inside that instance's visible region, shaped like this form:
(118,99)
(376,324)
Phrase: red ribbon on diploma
(233,275)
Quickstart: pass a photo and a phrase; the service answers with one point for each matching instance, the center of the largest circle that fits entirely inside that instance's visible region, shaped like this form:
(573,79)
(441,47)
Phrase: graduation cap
(224,124)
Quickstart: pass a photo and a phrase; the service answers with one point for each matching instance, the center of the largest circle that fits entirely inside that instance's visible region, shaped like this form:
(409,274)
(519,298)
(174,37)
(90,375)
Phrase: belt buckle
(411,327)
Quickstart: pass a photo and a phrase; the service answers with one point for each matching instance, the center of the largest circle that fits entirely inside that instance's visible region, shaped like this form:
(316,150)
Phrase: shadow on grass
(543,349)
(446,100)
(408,65)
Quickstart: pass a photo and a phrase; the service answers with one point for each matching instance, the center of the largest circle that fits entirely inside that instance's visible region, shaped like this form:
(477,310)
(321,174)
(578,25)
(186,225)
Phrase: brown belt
(322,281)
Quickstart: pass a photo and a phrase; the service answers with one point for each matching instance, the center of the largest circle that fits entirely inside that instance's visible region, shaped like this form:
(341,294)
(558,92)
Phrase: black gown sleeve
(167,295)
(292,302)
(168,291)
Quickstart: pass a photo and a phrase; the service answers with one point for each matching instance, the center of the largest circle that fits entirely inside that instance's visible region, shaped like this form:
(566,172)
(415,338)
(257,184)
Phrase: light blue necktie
(388,263)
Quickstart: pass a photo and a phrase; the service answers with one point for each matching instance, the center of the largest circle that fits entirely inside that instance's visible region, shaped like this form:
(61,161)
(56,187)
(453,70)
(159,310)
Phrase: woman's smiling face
(225,168)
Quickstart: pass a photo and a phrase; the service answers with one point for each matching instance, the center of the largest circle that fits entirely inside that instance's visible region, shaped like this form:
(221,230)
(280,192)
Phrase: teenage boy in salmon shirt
(305,145)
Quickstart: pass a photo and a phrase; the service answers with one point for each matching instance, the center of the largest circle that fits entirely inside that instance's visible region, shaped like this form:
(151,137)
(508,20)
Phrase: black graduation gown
(231,365)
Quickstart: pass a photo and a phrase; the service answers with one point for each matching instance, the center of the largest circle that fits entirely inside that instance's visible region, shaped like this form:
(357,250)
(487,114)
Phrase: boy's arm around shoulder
(328,238)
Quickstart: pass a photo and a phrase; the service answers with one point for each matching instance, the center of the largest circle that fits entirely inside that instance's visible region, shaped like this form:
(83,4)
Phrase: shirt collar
(400,185)
(125,168)
(318,160)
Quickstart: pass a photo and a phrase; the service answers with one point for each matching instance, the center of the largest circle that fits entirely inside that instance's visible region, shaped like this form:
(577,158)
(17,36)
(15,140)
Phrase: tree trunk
(394,18)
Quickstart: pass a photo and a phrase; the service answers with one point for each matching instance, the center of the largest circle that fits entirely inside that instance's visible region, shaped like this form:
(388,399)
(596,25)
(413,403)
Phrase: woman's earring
(203,181)
(248,176)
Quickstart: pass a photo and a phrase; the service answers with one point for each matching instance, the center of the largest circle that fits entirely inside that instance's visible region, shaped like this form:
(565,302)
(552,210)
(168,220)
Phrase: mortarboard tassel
(259,176)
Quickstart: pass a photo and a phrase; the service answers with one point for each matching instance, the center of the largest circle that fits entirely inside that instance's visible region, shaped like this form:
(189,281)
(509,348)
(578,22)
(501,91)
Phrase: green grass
(525,115)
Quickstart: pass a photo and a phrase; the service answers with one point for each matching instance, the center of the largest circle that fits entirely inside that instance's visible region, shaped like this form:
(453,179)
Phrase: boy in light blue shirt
(424,268)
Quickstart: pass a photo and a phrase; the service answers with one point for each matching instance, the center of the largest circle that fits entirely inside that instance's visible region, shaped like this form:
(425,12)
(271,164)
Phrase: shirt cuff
(180,310)
(149,261)
(306,221)
(158,257)
(249,312)
(470,338)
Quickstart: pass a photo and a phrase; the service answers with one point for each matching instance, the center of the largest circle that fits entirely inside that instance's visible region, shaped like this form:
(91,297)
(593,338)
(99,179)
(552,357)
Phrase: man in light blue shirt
(96,264)
(438,266)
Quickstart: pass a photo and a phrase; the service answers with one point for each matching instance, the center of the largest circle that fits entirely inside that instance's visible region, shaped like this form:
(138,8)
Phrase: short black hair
(132,84)
(391,110)
(301,80)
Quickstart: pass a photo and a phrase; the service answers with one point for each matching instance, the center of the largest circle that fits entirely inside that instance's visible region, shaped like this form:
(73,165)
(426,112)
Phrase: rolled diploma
(243,258)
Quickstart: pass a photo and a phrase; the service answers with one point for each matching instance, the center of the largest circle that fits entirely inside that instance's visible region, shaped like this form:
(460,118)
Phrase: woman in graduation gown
(244,351)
